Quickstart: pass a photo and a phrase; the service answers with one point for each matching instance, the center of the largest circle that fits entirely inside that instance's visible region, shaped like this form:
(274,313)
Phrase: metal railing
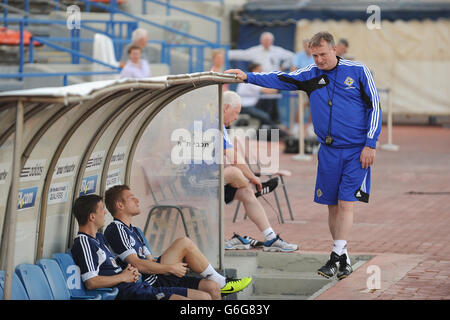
(112,8)
(74,51)
(170,7)
(119,36)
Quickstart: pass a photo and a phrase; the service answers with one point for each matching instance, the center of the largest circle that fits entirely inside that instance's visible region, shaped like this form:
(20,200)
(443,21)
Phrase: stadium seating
(34,282)
(18,292)
(12,37)
(72,276)
(57,282)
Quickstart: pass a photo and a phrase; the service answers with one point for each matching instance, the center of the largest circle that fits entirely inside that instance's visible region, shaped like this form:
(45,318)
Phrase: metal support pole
(221,186)
(389,146)
(12,212)
(301,156)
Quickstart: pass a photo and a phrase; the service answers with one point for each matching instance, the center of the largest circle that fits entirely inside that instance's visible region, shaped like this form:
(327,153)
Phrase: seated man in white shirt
(250,95)
(135,67)
(270,57)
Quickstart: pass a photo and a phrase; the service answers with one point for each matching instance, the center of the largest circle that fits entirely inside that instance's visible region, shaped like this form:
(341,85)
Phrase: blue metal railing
(65,75)
(110,31)
(170,7)
(74,50)
(113,9)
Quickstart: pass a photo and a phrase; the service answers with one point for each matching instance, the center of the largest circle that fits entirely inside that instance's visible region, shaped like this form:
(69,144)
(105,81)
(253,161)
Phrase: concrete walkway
(406,225)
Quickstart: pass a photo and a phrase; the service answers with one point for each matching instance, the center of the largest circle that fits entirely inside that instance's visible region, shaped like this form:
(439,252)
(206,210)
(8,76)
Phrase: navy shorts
(340,176)
(161,289)
(144,291)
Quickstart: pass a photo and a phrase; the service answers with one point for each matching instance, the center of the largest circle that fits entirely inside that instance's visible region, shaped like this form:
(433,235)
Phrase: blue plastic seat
(34,282)
(57,281)
(18,292)
(72,276)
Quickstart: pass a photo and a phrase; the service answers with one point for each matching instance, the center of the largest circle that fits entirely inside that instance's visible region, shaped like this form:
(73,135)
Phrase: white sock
(211,274)
(339,246)
(269,234)
(346,253)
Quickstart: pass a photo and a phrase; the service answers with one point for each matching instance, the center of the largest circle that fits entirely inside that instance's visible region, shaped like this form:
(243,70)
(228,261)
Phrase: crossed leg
(254,209)
(184,250)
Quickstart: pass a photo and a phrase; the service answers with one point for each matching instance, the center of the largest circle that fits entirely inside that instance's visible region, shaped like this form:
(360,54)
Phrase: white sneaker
(237,243)
(279,245)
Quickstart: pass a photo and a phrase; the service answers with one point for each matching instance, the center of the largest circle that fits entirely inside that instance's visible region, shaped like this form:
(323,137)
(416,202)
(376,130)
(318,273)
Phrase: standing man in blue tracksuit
(346,115)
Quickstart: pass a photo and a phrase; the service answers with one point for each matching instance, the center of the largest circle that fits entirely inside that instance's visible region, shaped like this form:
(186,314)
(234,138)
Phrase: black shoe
(267,187)
(330,268)
(344,268)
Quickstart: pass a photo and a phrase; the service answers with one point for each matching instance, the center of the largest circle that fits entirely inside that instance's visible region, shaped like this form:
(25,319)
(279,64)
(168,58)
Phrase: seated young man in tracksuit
(99,268)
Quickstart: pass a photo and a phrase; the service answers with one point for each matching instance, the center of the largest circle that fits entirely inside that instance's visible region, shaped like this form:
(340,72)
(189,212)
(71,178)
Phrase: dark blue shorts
(161,289)
(340,176)
(144,291)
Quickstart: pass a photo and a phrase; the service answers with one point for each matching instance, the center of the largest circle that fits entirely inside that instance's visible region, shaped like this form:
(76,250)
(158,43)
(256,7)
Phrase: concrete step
(285,276)
(287,284)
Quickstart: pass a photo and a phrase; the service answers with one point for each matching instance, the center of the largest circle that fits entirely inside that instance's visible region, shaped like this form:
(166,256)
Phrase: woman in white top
(136,67)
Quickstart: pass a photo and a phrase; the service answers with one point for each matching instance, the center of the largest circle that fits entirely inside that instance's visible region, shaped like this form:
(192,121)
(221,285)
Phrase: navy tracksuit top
(356,113)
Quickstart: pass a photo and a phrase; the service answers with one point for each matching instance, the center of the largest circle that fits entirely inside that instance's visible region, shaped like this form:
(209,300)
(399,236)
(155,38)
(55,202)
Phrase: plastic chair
(57,282)
(18,292)
(34,282)
(72,275)
(250,159)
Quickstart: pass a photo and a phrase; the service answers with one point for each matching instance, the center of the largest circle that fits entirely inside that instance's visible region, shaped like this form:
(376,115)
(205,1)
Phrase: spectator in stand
(136,67)
(342,48)
(218,60)
(302,58)
(139,38)
(271,58)
(218,63)
(250,95)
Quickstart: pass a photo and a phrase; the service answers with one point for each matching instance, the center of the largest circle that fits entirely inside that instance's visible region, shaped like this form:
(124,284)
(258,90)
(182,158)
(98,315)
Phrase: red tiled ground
(409,233)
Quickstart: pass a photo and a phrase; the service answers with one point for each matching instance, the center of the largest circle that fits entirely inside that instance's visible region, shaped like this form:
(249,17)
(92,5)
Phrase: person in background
(218,60)
(218,63)
(270,57)
(302,58)
(250,95)
(342,48)
(136,67)
(240,182)
(140,38)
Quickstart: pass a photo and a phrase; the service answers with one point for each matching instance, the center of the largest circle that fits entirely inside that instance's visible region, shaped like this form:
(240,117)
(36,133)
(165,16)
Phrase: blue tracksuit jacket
(356,113)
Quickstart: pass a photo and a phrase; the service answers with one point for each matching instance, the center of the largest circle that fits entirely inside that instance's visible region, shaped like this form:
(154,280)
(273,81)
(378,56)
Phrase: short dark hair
(134,47)
(344,42)
(318,37)
(253,66)
(84,206)
(112,195)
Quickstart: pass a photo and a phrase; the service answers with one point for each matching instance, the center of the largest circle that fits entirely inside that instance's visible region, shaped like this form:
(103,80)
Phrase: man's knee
(345,206)
(246,194)
(211,287)
(235,177)
(184,242)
